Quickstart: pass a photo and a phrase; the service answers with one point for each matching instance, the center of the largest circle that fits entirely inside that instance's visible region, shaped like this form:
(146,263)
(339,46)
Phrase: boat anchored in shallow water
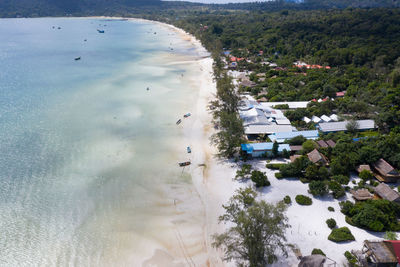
(187,115)
(100,31)
(178,122)
(77,58)
(188,149)
(185,163)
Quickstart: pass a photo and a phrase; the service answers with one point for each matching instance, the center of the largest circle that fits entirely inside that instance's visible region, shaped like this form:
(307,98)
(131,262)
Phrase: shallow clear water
(88,156)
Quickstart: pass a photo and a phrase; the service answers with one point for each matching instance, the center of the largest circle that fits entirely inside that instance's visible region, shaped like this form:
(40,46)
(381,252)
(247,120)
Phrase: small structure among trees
(378,253)
(316,157)
(361,194)
(316,260)
(385,172)
(385,192)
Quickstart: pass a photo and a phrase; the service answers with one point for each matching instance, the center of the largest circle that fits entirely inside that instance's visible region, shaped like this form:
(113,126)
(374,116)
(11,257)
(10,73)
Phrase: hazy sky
(223,1)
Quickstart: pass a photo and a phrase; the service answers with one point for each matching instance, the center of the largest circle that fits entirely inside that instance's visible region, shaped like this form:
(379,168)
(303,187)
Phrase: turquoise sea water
(88,156)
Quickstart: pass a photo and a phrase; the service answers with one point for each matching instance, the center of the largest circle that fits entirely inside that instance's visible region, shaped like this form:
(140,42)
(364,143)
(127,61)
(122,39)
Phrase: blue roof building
(260,149)
(282,136)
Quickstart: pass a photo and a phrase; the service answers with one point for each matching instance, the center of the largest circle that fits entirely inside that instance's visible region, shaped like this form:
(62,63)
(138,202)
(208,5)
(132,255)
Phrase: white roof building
(291,104)
(326,118)
(267,129)
(306,119)
(316,119)
(334,117)
(327,127)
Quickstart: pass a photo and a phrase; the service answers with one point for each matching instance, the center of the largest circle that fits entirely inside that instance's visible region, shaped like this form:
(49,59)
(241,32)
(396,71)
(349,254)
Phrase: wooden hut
(364,167)
(385,172)
(385,192)
(322,143)
(361,194)
(294,157)
(316,157)
(316,260)
(377,254)
(331,143)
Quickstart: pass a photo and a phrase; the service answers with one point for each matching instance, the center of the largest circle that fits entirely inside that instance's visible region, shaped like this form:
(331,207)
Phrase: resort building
(316,157)
(291,105)
(361,194)
(261,149)
(326,118)
(316,260)
(322,143)
(385,172)
(329,127)
(385,192)
(378,253)
(282,136)
(363,167)
(331,143)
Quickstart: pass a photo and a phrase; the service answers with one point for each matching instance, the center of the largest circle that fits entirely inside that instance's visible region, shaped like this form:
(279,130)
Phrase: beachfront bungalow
(322,143)
(296,148)
(330,127)
(253,131)
(361,194)
(291,104)
(385,192)
(282,136)
(385,172)
(316,157)
(261,149)
(378,253)
(247,83)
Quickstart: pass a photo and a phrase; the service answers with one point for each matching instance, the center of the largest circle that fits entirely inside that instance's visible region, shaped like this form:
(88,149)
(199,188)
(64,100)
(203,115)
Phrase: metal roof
(282,136)
(250,148)
(341,125)
(297,104)
(267,129)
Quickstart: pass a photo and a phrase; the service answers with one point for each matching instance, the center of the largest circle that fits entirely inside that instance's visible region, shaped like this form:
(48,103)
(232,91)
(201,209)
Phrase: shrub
(331,209)
(259,178)
(303,200)
(317,188)
(341,235)
(278,175)
(331,223)
(274,166)
(342,179)
(375,215)
(390,236)
(352,260)
(317,251)
(366,175)
(297,140)
(337,190)
(244,172)
(308,146)
(287,200)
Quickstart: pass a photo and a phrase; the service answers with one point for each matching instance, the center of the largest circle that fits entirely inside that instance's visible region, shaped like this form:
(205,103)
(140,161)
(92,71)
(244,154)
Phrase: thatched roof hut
(380,253)
(361,194)
(294,157)
(322,143)
(331,143)
(312,261)
(385,192)
(317,158)
(361,168)
(385,171)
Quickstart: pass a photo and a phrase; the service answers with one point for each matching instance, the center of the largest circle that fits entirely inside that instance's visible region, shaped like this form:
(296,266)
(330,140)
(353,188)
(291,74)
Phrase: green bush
(331,223)
(278,175)
(366,175)
(375,215)
(308,146)
(303,200)
(317,188)
(332,209)
(244,173)
(274,166)
(352,260)
(341,235)
(287,200)
(342,179)
(259,178)
(297,140)
(317,251)
(337,190)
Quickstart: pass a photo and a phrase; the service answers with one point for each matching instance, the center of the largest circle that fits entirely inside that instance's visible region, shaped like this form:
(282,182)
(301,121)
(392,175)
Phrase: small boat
(183,164)
(178,121)
(100,31)
(78,58)
(85,40)
(148,88)
(59,28)
(187,115)
(188,149)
